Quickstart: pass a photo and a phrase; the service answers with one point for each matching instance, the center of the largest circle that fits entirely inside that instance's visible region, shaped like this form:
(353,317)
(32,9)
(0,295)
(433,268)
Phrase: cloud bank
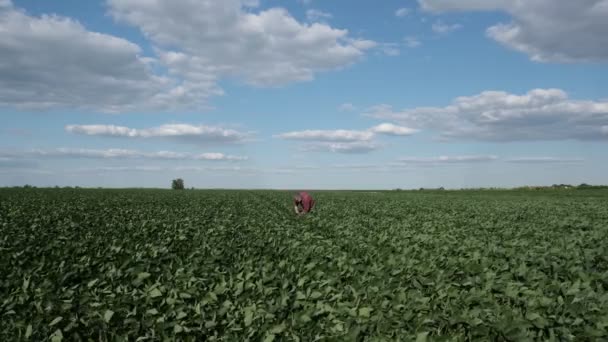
(545,30)
(346,141)
(54,62)
(179,132)
(116,153)
(540,114)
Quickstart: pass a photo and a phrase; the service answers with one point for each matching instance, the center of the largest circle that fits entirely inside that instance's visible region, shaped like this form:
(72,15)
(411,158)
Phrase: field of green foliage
(194,265)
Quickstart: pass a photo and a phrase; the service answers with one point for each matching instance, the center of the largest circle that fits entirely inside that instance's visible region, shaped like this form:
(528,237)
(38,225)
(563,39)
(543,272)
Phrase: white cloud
(328,135)
(346,141)
(411,42)
(116,153)
(364,44)
(391,129)
(342,135)
(317,15)
(391,49)
(441,28)
(402,12)
(217,156)
(354,147)
(54,62)
(544,160)
(221,39)
(449,159)
(540,114)
(347,107)
(182,132)
(538,28)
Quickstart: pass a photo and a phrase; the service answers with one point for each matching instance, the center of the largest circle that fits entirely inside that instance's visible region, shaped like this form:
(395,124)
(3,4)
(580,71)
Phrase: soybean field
(219,265)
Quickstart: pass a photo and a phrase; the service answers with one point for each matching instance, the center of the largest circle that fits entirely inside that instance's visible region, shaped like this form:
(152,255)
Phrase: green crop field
(156,265)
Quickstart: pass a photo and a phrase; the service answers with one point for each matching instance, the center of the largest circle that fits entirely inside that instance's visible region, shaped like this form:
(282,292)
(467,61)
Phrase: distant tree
(442,188)
(177,184)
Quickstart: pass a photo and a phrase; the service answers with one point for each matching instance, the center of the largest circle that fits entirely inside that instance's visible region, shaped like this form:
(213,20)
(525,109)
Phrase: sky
(303,94)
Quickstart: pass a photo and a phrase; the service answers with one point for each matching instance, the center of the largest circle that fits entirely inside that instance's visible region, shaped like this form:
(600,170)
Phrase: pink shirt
(307,202)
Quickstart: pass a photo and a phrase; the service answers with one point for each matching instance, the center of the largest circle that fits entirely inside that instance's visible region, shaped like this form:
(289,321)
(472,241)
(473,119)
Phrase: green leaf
(28,331)
(152,312)
(316,295)
(305,318)
(476,321)
(57,336)
(155,293)
(422,337)
(248,316)
(339,327)
(277,329)
(143,275)
(532,316)
(108,316)
(177,329)
(365,312)
(239,288)
(55,321)
(269,338)
(26,284)
(92,283)
(537,320)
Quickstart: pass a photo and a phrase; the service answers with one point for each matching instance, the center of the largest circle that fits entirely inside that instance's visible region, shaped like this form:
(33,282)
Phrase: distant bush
(177,184)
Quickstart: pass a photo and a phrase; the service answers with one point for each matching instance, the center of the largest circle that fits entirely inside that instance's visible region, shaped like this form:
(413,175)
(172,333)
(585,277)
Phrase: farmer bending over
(303,203)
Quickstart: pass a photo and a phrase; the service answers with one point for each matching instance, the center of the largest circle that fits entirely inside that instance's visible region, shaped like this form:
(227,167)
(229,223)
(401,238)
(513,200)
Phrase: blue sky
(303,94)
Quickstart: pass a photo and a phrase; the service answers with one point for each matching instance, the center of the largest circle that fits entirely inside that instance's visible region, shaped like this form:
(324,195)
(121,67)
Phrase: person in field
(303,203)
